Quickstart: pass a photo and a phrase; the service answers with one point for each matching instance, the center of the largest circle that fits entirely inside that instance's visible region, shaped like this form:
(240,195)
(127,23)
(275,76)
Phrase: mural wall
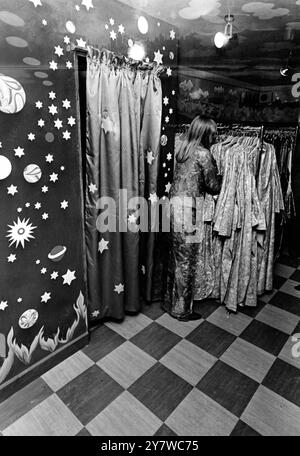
(42,289)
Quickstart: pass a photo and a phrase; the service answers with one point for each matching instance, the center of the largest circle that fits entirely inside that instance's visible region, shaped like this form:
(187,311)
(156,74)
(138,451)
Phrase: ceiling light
(143,25)
(220,40)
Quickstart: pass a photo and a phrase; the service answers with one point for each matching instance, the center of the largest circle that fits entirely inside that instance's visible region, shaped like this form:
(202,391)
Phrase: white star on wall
(58,124)
(58,51)
(54,275)
(93,188)
(113,35)
(19,152)
(166,101)
(96,313)
(36,2)
(158,57)
(53,177)
(169,72)
(37,206)
(153,197)
(68,277)
(71,121)
(66,135)
(45,216)
(46,297)
(69,64)
(112,21)
(169,156)
(31,137)
(64,204)
(52,95)
(43,271)
(121,29)
(12,190)
(168,187)
(19,300)
(52,109)
(38,104)
(44,22)
(66,104)
(49,158)
(67,39)
(167,119)
(88,4)
(45,189)
(11,258)
(150,157)
(41,123)
(103,245)
(53,65)
(119,288)
(81,43)
(172,34)
(3,305)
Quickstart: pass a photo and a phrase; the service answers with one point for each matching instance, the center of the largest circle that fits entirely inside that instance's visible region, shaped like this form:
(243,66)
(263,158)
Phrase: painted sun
(20,232)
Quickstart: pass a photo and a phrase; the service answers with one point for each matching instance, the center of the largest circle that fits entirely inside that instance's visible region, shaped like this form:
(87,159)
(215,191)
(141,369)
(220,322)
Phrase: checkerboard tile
(233,375)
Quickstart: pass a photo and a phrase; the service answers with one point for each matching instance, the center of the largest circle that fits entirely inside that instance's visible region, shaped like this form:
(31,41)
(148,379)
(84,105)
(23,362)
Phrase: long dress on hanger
(193,180)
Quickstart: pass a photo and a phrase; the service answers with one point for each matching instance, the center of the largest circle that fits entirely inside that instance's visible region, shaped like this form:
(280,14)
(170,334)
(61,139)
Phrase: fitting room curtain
(124,108)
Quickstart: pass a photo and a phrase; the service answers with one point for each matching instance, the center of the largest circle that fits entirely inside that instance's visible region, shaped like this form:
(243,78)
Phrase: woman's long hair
(202,132)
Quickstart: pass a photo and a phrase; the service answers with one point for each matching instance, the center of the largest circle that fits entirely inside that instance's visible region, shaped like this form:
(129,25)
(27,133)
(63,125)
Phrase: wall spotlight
(136,52)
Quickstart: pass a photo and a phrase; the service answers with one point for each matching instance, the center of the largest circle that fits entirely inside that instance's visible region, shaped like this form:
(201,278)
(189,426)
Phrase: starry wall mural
(42,261)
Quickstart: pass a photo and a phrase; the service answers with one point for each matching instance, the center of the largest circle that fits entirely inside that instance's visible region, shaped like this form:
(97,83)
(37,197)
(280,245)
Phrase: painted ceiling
(267,31)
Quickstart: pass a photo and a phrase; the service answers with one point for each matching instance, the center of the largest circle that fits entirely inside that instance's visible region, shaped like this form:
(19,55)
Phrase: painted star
(169,156)
(93,188)
(62,168)
(19,210)
(37,206)
(106,27)
(45,189)
(167,119)
(170,111)
(150,157)
(77,7)
(43,271)
(53,177)
(143,269)
(38,262)
(53,65)
(107,125)
(66,104)
(67,39)
(103,245)
(44,22)
(46,297)
(166,101)
(95,314)
(66,135)
(88,4)
(31,137)
(113,35)
(41,123)
(153,197)
(52,109)
(0,144)
(12,189)
(36,2)
(132,218)
(3,305)
(27,204)
(49,158)
(58,124)
(81,43)
(69,64)
(119,288)
(54,275)
(169,72)
(58,51)
(52,95)
(19,300)
(158,57)
(112,21)
(64,204)
(38,104)
(121,29)
(45,216)
(173,92)
(172,34)
(168,187)
(19,152)
(71,121)
(69,277)
(11,258)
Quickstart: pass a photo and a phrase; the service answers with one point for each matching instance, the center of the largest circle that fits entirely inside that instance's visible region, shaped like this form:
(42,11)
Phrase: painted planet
(57,253)
(32,173)
(5,167)
(163,140)
(28,318)
(171,55)
(12,95)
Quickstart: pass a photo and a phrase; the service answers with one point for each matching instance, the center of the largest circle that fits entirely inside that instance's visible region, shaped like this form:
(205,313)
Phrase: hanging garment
(120,96)
(193,179)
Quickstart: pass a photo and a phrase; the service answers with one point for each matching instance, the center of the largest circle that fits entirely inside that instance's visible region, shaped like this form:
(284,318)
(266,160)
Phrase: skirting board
(36,370)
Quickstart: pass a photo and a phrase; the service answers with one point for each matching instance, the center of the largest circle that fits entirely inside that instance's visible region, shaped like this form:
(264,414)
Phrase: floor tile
(181,328)
(272,415)
(89,393)
(131,326)
(125,416)
(233,323)
(66,371)
(199,415)
(229,387)
(278,282)
(165,431)
(266,298)
(103,341)
(160,390)
(284,379)
(152,310)
(23,401)
(278,318)
(291,350)
(283,270)
(289,288)
(288,261)
(253,311)
(206,307)
(243,430)
(211,338)
(296,276)
(49,418)
(84,433)
(265,337)
(248,359)
(126,364)
(286,302)
(188,361)
(156,340)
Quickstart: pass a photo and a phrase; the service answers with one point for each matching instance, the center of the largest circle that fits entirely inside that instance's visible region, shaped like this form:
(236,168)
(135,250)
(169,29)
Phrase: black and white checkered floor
(153,375)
